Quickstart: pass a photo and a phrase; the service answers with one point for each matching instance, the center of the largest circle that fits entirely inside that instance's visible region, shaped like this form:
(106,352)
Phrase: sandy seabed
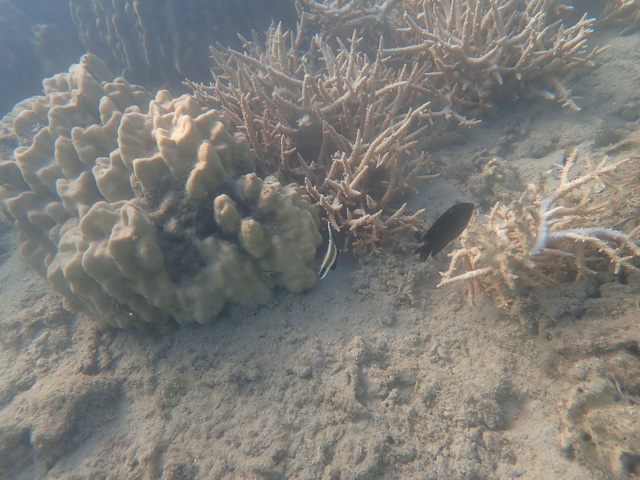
(417,382)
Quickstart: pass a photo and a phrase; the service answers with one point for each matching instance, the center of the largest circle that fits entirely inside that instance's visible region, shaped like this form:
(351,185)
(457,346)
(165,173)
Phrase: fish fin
(335,262)
(324,270)
(424,251)
(329,262)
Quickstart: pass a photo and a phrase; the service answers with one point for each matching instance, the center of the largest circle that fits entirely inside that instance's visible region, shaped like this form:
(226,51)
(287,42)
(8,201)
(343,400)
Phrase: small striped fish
(331,257)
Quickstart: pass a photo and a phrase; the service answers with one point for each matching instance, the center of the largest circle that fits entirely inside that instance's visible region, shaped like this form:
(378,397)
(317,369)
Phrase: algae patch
(170,392)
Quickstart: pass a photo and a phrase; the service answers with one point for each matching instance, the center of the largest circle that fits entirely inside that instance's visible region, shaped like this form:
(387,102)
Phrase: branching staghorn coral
(545,236)
(322,112)
(339,122)
(625,13)
(340,17)
(351,12)
(482,50)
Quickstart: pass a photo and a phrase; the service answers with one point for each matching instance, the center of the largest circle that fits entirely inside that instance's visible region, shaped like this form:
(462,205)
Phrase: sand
(417,382)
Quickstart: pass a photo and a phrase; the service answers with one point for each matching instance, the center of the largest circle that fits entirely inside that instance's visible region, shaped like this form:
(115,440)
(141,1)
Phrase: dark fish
(448,227)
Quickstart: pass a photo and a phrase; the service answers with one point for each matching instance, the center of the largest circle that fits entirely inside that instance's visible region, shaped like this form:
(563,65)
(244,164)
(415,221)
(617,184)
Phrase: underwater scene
(319,239)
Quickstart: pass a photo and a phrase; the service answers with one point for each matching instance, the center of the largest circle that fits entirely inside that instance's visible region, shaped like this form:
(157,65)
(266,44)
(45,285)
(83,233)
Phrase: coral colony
(544,235)
(149,211)
(152,210)
(346,120)
(625,13)
(336,122)
(479,50)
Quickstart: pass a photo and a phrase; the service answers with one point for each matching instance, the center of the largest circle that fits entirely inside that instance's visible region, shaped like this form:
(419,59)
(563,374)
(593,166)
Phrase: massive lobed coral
(144,210)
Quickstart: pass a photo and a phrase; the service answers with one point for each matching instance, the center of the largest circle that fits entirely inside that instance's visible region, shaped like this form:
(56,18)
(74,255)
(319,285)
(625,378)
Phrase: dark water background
(154,43)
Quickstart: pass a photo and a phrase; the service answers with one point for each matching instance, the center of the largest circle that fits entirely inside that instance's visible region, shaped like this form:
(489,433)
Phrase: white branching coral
(484,49)
(545,235)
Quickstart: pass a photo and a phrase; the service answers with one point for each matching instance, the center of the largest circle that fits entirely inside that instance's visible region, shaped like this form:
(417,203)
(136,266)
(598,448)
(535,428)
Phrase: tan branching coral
(625,13)
(627,177)
(352,13)
(545,236)
(337,121)
(484,50)
(346,119)
(340,17)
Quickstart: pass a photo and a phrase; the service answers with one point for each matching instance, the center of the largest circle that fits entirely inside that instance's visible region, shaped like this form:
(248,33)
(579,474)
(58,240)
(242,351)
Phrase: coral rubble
(545,235)
(143,210)
(602,430)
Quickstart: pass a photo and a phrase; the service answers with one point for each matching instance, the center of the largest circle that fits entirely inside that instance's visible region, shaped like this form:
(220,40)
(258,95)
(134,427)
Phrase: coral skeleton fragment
(545,235)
